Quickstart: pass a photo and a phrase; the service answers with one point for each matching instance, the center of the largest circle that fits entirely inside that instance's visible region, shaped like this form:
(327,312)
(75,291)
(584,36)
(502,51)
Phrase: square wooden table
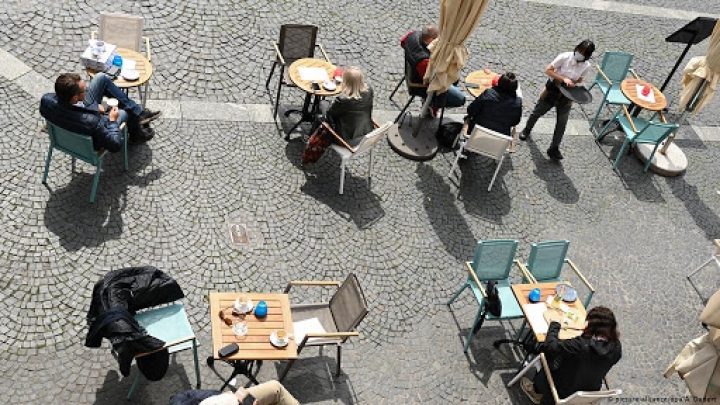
(522,291)
(255,346)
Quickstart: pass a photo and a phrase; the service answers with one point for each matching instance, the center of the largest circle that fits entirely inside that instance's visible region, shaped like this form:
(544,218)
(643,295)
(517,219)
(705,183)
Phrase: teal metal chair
(639,130)
(615,67)
(171,325)
(80,147)
(546,262)
(493,260)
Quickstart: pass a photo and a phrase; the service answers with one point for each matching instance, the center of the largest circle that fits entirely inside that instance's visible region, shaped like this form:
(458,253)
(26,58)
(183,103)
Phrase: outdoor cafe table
(255,346)
(483,79)
(308,114)
(522,291)
(142,65)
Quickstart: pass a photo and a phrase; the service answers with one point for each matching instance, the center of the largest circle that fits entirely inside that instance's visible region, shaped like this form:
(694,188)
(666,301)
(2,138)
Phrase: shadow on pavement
(69,213)
(313,379)
(559,185)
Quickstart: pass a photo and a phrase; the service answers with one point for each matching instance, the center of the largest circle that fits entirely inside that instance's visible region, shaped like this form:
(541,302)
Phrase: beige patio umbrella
(458,19)
(702,71)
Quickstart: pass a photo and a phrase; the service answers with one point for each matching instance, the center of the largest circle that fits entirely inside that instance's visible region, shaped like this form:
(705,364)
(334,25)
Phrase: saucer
(275,342)
(130,74)
(244,308)
(570,293)
(329,85)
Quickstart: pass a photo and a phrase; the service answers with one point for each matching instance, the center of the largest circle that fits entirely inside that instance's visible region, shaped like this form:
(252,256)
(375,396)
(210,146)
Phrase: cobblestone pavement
(405,234)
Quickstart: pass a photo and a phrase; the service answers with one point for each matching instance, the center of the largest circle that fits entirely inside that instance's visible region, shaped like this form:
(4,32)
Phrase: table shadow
(69,213)
(177,379)
(559,185)
(446,219)
(312,379)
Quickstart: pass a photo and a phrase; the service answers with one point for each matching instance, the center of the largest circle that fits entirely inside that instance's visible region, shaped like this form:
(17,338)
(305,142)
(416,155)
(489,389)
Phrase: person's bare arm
(550,71)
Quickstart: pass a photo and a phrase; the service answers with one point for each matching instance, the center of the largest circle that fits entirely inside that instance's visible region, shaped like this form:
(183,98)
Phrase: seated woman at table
(577,364)
(351,112)
(497,108)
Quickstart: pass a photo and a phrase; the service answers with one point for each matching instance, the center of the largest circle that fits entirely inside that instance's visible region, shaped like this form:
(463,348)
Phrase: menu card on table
(535,317)
(313,74)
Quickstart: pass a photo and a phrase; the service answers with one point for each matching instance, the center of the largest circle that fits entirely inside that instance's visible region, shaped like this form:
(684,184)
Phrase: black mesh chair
(296,42)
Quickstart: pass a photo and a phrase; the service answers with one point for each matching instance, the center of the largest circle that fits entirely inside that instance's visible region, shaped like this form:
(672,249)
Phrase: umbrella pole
(690,108)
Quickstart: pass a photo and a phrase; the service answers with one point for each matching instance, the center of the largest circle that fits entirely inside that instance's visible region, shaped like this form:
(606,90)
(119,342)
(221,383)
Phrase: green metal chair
(493,260)
(546,262)
(639,130)
(615,67)
(80,147)
(171,325)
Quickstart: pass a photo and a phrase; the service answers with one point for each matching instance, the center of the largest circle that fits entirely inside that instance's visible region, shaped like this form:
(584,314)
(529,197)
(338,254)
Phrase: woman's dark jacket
(577,364)
(495,111)
(352,118)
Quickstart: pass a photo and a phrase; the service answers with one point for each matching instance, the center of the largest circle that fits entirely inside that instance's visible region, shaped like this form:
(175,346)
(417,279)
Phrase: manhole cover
(238,234)
(242,231)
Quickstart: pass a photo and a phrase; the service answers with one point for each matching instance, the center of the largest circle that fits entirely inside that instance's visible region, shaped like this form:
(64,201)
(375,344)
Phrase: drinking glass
(240,327)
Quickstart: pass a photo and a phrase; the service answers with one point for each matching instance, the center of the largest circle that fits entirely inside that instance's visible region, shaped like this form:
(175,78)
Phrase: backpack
(493,303)
(448,133)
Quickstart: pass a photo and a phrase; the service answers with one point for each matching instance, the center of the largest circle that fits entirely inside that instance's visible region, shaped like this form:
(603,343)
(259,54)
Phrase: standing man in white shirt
(567,69)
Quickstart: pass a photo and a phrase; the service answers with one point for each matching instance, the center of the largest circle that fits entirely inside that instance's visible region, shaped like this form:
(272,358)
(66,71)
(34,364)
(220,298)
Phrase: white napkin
(313,74)
(650,98)
(306,326)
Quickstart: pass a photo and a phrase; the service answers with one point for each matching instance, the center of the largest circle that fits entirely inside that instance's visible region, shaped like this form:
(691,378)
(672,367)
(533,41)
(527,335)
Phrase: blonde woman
(351,112)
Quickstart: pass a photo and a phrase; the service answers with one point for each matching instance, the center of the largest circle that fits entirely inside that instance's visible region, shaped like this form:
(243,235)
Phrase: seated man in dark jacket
(577,364)
(498,108)
(76,107)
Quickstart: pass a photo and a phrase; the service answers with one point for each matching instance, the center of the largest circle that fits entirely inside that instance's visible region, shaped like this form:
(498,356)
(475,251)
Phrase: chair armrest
(627,114)
(525,272)
(313,283)
(546,368)
(607,385)
(603,75)
(577,271)
(377,125)
(322,49)
(634,73)
(338,137)
(93,33)
(279,54)
(662,117)
(418,85)
(176,342)
(147,49)
(326,335)
(122,126)
(717,244)
(477,281)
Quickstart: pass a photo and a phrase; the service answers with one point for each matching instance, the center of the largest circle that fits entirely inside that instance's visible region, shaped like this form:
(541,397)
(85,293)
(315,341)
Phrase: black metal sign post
(692,33)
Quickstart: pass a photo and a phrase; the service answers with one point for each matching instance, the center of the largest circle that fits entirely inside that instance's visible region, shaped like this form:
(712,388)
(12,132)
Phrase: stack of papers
(535,316)
(313,74)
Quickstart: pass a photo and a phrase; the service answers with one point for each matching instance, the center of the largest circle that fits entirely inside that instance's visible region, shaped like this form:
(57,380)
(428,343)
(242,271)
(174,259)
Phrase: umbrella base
(416,144)
(672,163)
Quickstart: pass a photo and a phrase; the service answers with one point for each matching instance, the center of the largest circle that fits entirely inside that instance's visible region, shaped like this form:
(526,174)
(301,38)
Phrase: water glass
(240,327)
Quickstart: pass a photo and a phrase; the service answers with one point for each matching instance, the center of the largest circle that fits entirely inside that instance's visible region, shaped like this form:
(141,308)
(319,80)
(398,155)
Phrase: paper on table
(534,313)
(650,98)
(313,74)
(306,326)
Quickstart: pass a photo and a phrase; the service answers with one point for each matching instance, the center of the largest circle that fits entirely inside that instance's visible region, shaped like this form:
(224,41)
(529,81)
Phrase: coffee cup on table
(282,336)
(112,102)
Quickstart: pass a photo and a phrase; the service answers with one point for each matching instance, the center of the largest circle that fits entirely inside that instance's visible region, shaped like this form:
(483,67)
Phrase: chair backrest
(122,30)
(414,89)
(371,139)
(348,305)
(589,397)
(297,41)
(76,145)
(547,259)
(655,132)
(488,142)
(494,258)
(615,65)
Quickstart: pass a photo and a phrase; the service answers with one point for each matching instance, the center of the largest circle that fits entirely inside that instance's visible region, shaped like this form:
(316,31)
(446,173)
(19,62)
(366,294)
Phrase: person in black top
(351,112)
(498,108)
(577,364)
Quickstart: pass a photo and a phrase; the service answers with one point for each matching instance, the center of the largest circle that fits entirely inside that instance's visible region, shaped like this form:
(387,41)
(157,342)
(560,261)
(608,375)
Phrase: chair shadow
(447,221)
(69,213)
(630,169)
(704,216)
(313,379)
(358,202)
(115,387)
(559,185)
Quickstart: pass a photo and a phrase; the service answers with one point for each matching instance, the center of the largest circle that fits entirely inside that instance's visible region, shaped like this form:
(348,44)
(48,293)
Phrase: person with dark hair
(577,364)
(567,69)
(76,106)
(417,54)
(498,108)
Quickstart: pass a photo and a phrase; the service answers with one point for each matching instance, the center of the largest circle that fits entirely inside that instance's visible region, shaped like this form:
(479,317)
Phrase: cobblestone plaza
(219,155)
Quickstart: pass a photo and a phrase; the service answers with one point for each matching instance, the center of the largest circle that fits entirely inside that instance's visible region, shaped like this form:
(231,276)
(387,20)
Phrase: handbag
(316,145)
(448,133)
(493,303)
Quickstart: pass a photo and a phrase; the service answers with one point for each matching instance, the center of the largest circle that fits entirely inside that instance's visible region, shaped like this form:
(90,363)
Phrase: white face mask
(578,56)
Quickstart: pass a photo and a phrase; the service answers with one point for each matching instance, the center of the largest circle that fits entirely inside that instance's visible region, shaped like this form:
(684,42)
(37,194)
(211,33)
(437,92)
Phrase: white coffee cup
(282,336)
(112,102)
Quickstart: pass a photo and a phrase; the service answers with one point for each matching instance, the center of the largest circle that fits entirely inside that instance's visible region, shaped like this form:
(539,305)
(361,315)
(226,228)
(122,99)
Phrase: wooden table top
(482,79)
(256,344)
(142,65)
(522,291)
(629,89)
(294,74)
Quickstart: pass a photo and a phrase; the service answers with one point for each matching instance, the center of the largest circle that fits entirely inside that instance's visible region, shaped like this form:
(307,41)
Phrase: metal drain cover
(242,231)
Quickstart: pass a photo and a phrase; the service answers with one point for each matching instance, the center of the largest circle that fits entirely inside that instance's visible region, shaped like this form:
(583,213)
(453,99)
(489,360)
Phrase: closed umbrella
(701,76)
(458,19)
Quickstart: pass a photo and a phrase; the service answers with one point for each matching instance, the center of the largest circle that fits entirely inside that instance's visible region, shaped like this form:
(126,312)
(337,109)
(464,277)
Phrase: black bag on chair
(447,134)
(494,305)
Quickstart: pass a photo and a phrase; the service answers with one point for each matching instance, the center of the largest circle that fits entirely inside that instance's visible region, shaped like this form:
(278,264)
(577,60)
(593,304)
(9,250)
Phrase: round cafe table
(670,160)
(481,78)
(308,113)
(144,68)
